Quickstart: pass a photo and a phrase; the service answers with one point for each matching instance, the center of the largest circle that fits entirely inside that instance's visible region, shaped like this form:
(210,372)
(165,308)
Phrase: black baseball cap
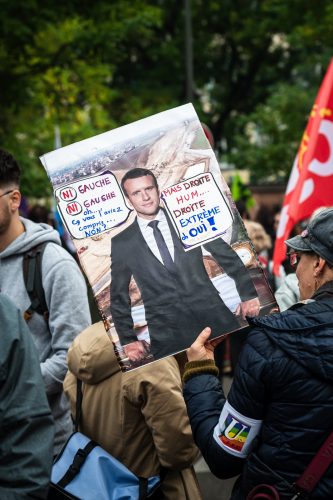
(317,237)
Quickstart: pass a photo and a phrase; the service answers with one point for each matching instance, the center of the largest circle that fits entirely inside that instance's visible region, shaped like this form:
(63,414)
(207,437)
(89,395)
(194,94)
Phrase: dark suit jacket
(178,306)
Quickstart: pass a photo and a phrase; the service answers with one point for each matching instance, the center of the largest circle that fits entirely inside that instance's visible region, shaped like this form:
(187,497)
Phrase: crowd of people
(162,417)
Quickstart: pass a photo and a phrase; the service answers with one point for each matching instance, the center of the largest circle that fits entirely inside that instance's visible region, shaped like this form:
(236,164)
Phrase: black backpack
(32,274)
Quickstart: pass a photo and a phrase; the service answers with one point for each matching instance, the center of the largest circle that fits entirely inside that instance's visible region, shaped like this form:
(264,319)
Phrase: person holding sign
(279,410)
(178,295)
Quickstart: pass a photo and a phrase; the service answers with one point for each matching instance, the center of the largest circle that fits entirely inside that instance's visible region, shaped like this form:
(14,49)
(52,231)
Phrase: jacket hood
(91,357)
(304,333)
(33,235)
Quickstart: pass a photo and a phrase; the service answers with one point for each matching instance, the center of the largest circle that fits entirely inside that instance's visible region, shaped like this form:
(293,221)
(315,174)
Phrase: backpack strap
(32,274)
(306,483)
(75,467)
(78,405)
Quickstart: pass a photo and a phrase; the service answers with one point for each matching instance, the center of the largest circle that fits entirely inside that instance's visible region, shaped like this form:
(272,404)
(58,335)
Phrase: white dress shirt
(148,234)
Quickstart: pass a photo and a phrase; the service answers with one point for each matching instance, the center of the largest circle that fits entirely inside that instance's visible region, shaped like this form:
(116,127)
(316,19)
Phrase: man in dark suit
(178,295)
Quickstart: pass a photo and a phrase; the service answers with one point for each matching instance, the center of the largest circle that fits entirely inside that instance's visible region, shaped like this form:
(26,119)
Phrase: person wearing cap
(279,410)
(288,292)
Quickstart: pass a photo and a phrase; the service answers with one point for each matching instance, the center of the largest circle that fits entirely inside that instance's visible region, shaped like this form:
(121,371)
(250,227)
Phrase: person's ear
(318,266)
(15,200)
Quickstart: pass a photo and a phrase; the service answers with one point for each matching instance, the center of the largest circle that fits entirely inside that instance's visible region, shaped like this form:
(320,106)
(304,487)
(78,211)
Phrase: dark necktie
(162,246)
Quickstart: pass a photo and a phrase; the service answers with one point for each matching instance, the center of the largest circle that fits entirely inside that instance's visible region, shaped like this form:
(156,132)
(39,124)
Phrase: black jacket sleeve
(119,294)
(248,395)
(204,399)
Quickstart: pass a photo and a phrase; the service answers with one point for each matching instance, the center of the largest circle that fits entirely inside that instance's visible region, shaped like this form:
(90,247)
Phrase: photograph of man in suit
(177,293)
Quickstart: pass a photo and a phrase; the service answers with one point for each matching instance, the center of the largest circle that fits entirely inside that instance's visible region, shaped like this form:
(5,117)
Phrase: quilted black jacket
(285,378)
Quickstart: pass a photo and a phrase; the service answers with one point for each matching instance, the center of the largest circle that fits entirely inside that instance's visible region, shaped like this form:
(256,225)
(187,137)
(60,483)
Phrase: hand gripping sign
(198,209)
(92,205)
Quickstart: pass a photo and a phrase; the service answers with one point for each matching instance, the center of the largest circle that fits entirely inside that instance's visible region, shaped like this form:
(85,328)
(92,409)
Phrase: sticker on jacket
(235,432)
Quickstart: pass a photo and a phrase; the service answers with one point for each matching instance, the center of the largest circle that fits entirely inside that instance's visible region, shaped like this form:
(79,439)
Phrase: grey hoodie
(67,301)
(288,293)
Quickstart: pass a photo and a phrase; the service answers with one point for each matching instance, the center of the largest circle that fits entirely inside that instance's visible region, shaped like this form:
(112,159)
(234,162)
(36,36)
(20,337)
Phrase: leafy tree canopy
(88,67)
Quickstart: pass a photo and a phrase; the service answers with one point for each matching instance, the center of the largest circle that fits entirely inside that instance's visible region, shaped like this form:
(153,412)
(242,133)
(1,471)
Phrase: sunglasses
(7,192)
(294,258)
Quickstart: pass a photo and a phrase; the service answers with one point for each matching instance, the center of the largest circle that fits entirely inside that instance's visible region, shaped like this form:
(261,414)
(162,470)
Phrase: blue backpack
(84,470)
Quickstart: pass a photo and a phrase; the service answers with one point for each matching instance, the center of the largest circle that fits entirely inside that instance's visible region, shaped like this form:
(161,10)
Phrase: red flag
(310,183)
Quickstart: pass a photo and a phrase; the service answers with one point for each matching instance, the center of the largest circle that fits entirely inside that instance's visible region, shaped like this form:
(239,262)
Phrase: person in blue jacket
(279,410)
(26,423)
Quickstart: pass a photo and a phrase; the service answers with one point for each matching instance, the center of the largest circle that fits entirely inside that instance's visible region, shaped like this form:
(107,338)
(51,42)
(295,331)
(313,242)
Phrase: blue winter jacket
(284,378)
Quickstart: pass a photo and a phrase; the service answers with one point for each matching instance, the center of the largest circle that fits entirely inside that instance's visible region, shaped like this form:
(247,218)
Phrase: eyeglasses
(7,192)
(294,258)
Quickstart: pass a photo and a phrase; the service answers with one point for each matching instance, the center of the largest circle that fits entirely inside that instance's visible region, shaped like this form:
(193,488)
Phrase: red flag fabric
(310,184)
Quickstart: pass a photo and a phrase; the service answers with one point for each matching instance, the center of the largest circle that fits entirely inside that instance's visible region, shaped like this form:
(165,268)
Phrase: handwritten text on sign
(92,206)
(198,209)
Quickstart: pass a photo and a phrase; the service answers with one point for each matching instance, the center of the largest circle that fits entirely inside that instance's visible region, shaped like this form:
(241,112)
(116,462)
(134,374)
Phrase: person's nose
(145,196)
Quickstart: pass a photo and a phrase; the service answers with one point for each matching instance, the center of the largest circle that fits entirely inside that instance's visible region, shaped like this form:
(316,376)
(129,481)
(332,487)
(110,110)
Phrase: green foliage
(88,67)
(267,140)
(65,63)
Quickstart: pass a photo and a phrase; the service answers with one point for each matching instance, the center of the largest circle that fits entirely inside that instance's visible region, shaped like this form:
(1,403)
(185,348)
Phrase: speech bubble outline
(102,202)
(197,207)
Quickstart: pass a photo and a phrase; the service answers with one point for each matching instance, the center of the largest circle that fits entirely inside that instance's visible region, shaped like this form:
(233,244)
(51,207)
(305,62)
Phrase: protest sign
(92,205)
(158,235)
(198,209)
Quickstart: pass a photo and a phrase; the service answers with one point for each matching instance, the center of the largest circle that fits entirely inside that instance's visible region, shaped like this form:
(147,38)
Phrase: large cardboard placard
(157,285)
